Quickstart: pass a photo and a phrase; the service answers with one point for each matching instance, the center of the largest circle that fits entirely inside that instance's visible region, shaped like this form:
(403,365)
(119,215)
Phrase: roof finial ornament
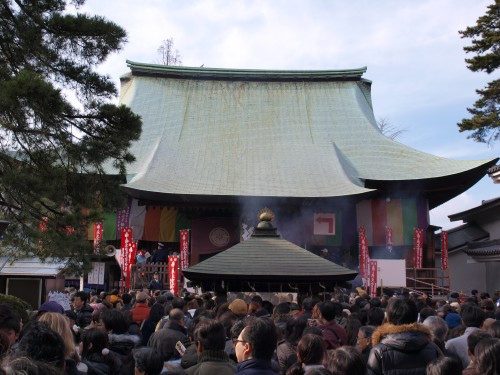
(266,214)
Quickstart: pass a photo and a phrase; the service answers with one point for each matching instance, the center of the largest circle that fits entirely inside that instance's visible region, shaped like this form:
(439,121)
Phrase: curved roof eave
(247,74)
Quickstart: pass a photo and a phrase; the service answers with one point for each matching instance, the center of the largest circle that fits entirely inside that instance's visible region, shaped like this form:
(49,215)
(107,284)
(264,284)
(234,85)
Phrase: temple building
(218,145)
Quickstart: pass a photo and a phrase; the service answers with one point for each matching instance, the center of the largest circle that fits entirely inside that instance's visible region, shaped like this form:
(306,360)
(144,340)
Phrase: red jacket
(334,335)
(140,312)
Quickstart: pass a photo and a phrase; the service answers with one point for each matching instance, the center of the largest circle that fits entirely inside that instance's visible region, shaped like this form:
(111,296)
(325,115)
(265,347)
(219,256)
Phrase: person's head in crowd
(10,322)
(364,337)
(453,297)
(41,343)
(444,366)
(28,366)
(327,311)
(236,329)
(310,352)
(80,299)
(374,302)
(257,340)
(114,321)
(453,320)
(126,298)
(141,297)
(484,295)
(425,313)
(472,315)
(209,335)
(494,329)
(294,330)
(50,306)
(147,361)
(375,316)
(157,312)
(401,311)
(176,316)
(487,355)
(307,304)
(268,307)
(60,324)
(438,327)
(352,329)
(93,341)
(281,309)
(346,360)
(313,330)
(239,308)
(473,339)
(178,303)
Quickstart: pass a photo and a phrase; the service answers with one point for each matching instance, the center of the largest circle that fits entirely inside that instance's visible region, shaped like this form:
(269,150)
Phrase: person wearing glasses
(255,347)
(364,341)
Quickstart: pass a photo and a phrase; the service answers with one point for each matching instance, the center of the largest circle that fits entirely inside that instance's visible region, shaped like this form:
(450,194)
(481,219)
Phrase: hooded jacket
(402,350)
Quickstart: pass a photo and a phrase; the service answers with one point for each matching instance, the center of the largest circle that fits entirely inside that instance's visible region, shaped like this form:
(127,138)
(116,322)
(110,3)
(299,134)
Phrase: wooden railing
(141,274)
(432,281)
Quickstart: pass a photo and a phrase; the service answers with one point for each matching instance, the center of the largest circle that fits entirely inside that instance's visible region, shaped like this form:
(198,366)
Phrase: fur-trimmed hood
(407,337)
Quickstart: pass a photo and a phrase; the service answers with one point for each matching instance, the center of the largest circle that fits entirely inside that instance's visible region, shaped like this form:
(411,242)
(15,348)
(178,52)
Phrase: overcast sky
(412,49)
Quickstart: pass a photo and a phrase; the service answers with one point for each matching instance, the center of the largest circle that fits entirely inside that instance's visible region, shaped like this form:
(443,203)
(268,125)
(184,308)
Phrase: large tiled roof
(226,132)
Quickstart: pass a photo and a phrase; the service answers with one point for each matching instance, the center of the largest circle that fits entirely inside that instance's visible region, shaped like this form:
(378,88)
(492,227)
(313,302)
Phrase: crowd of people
(148,333)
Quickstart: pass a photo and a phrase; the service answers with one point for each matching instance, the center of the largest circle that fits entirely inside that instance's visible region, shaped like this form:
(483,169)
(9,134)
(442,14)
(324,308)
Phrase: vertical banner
(173,274)
(126,243)
(444,250)
(388,238)
(184,246)
(363,253)
(373,278)
(418,247)
(98,229)
(130,256)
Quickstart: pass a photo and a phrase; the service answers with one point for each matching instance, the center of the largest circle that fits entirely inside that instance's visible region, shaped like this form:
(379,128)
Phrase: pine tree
(485,121)
(63,143)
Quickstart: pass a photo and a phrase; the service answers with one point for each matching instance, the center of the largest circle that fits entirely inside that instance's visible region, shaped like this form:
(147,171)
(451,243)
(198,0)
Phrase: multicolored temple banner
(173,274)
(418,247)
(184,248)
(444,250)
(401,215)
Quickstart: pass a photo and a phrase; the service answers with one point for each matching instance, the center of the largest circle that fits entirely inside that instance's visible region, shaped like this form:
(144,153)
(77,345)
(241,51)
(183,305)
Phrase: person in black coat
(402,346)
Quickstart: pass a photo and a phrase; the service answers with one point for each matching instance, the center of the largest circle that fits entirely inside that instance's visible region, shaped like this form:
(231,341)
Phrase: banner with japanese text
(444,250)
(373,278)
(184,246)
(418,247)
(132,250)
(98,229)
(388,238)
(126,250)
(173,274)
(363,253)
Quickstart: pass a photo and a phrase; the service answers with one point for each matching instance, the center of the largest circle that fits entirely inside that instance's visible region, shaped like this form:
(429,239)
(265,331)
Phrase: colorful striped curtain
(402,215)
